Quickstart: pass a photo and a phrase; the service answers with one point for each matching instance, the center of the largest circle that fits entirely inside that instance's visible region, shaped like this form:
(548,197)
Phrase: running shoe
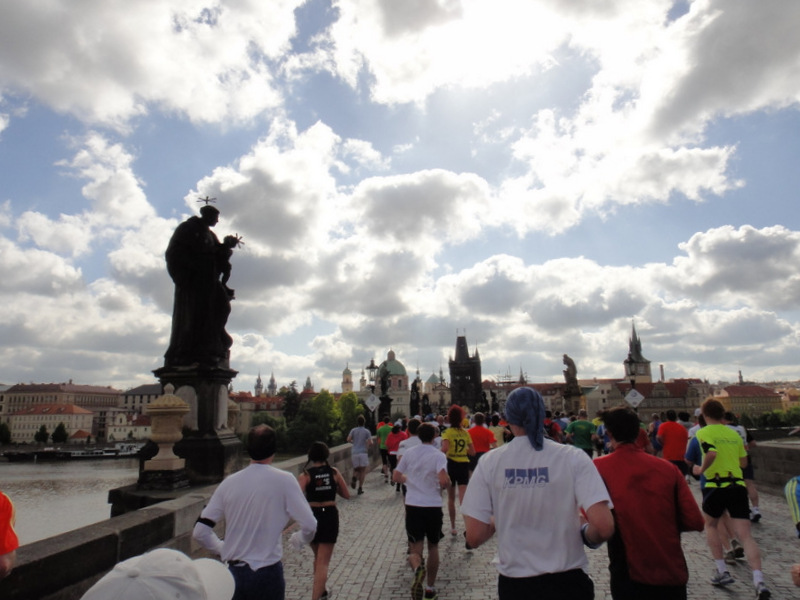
(762,592)
(738,549)
(730,557)
(722,578)
(360,491)
(353,482)
(755,516)
(418,586)
(431,595)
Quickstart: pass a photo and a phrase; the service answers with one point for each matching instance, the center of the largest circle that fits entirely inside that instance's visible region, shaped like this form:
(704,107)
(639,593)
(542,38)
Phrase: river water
(56,497)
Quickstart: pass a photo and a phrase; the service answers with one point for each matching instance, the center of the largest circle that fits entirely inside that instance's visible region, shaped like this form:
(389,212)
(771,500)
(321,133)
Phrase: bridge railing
(63,567)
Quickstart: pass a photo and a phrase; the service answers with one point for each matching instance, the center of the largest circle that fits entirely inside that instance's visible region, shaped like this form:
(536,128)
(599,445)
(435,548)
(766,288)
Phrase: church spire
(259,388)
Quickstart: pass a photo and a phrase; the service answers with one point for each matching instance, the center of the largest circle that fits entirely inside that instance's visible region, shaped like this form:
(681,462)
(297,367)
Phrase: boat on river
(55,454)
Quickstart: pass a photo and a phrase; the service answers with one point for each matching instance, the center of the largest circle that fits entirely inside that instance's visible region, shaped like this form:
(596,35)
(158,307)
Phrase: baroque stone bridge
(369,561)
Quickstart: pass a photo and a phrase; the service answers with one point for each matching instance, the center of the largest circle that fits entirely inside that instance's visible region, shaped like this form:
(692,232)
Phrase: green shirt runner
(582,432)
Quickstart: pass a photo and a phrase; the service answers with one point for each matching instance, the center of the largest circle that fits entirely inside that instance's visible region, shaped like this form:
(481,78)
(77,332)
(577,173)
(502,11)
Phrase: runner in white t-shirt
(423,471)
(531,492)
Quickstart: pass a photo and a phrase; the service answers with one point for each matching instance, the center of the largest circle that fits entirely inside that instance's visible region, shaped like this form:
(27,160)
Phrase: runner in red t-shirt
(483,439)
(673,438)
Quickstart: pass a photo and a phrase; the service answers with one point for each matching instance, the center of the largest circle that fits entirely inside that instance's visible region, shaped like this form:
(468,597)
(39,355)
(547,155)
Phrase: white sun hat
(161,574)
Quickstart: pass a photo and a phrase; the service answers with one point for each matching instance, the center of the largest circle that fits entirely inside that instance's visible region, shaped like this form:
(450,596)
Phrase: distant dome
(393,366)
(434,378)
(347,371)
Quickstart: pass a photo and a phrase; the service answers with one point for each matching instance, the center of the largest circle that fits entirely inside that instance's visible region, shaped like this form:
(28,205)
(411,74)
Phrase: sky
(537,176)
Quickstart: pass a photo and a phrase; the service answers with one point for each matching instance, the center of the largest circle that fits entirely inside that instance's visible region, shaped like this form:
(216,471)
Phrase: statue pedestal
(210,449)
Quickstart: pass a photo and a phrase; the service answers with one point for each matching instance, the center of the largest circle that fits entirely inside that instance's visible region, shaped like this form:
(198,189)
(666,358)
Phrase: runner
(482,438)
(645,555)
(423,471)
(723,458)
(361,439)
(320,483)
(382,433)
(580,432)
(673,438)
(457,446)
(532,492)
(392,444)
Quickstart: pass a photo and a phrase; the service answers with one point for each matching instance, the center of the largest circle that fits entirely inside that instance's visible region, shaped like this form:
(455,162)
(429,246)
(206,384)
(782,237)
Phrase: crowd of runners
(532,478)
(545,486)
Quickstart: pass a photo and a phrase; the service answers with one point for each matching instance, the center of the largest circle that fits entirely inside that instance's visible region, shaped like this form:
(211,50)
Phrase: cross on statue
(207,200)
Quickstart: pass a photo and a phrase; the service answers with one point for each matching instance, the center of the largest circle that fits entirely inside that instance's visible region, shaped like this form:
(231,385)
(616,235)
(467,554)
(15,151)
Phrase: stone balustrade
(63,567)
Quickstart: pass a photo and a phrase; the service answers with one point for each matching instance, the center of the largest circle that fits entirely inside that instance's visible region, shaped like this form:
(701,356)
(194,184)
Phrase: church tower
(272,388)
(347,380)
(259,389)
(465,376)
(637,367)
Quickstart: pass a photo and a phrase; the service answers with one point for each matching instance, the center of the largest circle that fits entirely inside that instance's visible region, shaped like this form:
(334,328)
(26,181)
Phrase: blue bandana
(525,408)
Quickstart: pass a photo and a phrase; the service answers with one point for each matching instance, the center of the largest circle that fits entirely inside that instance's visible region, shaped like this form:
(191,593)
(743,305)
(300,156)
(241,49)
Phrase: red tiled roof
(69,388)
(142,420)
(80,435)
(53,409)
(744,391)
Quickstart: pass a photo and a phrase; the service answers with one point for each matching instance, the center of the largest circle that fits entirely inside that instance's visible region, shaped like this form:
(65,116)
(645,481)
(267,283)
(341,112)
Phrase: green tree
(746,421)
(277,423)
(329,415)
(291,402)
(349,409)
(41,435)
(5,434)
(793,416)
(317,419)
(60,434)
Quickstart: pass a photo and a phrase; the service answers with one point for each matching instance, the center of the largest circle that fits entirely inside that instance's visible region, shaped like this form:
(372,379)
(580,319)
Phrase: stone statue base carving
(211,450)
(163,480)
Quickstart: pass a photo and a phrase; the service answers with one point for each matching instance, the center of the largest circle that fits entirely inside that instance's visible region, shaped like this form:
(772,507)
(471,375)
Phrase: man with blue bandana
(545,501)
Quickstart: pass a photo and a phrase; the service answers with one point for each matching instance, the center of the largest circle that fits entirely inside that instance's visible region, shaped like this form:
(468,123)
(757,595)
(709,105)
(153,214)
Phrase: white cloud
(732,58)
(736,267)
(107,62)
(114,190)
(281,196)
(24,270)
(422,210)
(70,235)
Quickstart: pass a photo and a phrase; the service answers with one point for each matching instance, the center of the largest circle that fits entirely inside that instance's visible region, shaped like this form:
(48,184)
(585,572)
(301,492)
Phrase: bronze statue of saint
(195,261)
(413,406)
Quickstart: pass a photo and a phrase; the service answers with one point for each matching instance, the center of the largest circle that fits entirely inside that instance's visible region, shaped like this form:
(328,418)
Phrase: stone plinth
(209,447)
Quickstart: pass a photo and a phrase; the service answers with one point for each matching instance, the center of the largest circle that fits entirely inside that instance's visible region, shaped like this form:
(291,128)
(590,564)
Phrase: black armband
(205,521)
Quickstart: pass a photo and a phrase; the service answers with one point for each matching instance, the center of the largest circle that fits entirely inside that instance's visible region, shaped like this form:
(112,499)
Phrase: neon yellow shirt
(728,445)
(459,443)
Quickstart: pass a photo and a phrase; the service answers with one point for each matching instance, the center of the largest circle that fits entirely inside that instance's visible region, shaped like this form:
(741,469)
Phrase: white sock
(758,577)
(721,566)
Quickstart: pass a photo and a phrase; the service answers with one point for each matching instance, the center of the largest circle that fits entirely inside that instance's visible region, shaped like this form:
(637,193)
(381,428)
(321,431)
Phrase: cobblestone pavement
(369,561)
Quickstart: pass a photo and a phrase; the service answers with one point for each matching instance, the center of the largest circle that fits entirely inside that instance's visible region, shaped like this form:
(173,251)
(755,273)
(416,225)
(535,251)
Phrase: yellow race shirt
(459,442)
(728,445)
